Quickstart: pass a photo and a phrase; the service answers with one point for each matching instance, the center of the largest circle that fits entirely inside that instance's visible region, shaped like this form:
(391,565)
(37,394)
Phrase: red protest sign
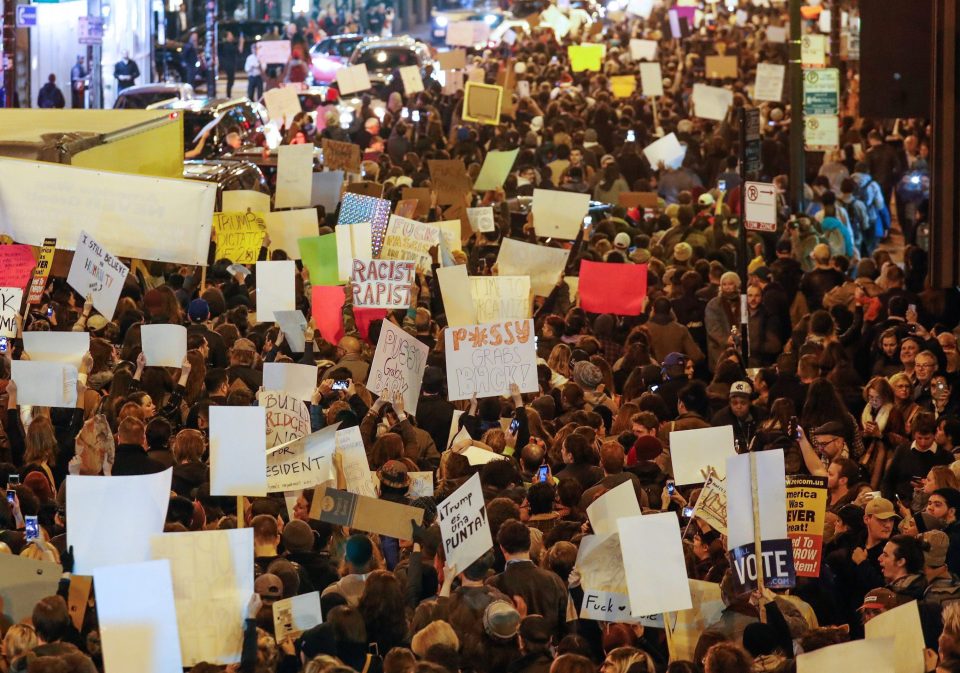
(326,306)
(16,265)
(612,288)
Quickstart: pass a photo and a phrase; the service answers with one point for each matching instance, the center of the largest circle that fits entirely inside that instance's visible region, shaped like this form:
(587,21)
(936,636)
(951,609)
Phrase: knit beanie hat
(587,375)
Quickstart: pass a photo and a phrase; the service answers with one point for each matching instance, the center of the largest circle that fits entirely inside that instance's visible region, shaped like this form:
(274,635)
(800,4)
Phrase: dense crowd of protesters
(847,343)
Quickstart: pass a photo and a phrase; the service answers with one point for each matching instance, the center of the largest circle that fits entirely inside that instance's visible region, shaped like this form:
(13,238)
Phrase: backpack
(856,211)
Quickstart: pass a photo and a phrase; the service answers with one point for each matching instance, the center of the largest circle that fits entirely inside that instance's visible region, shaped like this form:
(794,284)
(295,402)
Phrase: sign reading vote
(485,359)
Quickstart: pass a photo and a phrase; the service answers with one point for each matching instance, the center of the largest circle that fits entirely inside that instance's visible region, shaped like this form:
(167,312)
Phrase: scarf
(883,415)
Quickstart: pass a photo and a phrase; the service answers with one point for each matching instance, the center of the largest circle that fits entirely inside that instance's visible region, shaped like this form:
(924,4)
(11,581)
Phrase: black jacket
(132,459)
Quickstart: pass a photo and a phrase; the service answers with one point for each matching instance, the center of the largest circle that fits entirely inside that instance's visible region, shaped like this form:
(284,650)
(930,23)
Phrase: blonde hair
(951,618)
(559,360)
(897,378)
(20,639)
(41,442)
(435,633)
(321,664)
(35,553)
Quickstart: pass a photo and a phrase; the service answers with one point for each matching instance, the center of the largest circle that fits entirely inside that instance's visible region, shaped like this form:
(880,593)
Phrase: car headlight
(442,21)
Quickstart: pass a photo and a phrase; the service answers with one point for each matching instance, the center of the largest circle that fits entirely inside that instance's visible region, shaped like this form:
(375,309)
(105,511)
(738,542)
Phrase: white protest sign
(212,584)
(421,484)
(294,176)
(643,50)
(283,104)
(381,283)
(776,34)
(96,272)
(352,79)
(640,8)
(356,467)
(286,227)
(164,345)
(293,616)
(653,560)
(137,618)
(711,505)
(287,417)
(292,324)
(761,207)
(544,265)
(454,286)
(501,297)
(666,150)
(651,79)
(603,579)
(10,300)
(481,219)
(559,214)
(876,656)
(554,18)
(711,102)
(408,239)
(776,546)
(464,525)
(242,200)
(485,359)
(398,365)
(63,347)
(276,288)
(272,52)
(902,625)
(302,463)
(692,452)
(769,84)
(477,456)
(326,189)
(45,384)
(620,501)
(354,241)
(294,379)
(113,518)
(412,81)
(238,451)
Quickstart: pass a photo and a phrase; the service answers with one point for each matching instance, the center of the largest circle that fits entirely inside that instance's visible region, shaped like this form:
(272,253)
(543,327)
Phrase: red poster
(326,305)
(16,265)
(612,288)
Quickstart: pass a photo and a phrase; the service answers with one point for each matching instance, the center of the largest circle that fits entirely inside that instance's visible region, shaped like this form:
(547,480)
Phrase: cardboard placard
(355,464)
(643,50)
(63,347)
(366,188)
(11,299)
(242,200)
(42,271)
(585,57)
(326,309)
(806,514)
(694,452)
(353,79)
(482,103)
(45,384)
(422,195)
(464,527)
(620,501)
(449,179)
(341,155)
(294,176)
(485,359)
(292,616)
(653,561)
(239,235)
(411,79)
(287,417)
(294,379)
(276,288)
(24,582)
(326,189)
(559,214)
(372,515)
(97,273)
(379,283)
(500,298)
(874,655)
(302,463)
(902,625)
(651,79)
(398,365)
(454,59)
(293,325)
(542,264)
(769,83)
(273,52)
(238,451)
(495,169)
(164,345)
(410,240)
(711,506)
(721,67)
(320,258)
(212,584)
(354,241)
(619,289)
(711,102)
(406,208)
(666,150)
(455,286)
(283,104)
(124,535)
(623,86)
(639,199)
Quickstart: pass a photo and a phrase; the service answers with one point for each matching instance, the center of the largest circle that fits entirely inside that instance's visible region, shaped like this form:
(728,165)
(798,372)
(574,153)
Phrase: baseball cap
(879,599)
(880,508)
(269,587)
(706,199)
(935,545)
(96,322)
(621,241)
(741,388)
(501,620)
(199,310)
(674,360)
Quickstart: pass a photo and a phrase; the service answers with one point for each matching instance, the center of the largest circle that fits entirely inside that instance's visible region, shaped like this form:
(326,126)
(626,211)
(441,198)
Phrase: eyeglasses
(920,365)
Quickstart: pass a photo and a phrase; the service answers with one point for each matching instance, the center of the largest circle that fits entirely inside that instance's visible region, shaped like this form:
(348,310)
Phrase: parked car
(168,60)
(222,115)
(466,10)
(383,55)
(227,174)
(144,96)
(331,54)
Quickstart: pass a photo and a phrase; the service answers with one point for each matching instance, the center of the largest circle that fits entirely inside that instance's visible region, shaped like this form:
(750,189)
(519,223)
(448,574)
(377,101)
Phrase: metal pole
(796,110)
(94,58)
(742,252)
(9,62)
(210,48)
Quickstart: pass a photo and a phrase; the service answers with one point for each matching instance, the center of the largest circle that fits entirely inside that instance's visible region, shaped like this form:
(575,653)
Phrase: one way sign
(26,16)
(761,210)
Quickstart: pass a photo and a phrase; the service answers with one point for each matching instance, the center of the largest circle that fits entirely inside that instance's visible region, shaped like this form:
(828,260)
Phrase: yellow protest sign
(586,57)
(239,236)
(806,513)
(623,85)
(482,103)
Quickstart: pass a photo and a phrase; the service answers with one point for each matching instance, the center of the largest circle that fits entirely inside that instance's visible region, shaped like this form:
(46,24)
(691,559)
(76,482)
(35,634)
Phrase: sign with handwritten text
(485,359)
(463,524)
(410,240)
(239,236)
(97,273)
(398,365)
(382,283)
